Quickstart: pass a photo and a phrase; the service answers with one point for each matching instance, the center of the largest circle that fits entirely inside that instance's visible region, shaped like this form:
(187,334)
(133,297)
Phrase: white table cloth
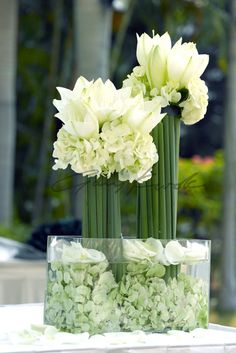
(15,319)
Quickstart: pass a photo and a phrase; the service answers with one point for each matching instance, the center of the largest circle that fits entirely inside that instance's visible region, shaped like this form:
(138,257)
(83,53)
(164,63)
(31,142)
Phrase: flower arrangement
(130,134)
(173,75)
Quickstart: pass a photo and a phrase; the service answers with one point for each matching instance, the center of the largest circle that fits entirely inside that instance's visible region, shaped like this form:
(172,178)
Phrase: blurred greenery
(220,318)
(17,231)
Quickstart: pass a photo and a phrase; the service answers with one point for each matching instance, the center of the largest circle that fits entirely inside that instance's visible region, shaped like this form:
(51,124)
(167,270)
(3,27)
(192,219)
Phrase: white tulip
(157,62)
(79,120)
(106,100)
(152,55)
(144,46)
(184,63)
(143,115)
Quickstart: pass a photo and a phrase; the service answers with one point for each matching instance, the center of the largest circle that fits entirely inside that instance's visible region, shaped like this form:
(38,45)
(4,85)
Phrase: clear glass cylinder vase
(105,285)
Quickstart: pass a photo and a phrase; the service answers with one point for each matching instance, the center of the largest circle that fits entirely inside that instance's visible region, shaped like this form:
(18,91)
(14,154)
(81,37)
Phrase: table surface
(20,324)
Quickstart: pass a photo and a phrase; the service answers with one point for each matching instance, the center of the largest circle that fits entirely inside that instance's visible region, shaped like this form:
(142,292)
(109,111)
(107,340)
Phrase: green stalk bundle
(157,198)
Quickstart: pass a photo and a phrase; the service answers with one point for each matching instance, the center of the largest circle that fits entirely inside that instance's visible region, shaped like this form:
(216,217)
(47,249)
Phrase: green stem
(149,209)
(101,208)
(159,207)
(155,192)
(162,182)
(168,146)
(101,212)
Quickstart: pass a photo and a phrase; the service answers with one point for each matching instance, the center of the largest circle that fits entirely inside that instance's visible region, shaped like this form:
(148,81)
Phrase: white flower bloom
(144,46)
(152,55)
(106,101)
(133,153)
(157,247)
(85,156)
(106,130)
(174,252)
(76,253)
(157,62)
(137,81)
(170,93)
(184,63)
(195,107)
(164,71)
(195,252)
(79,120)
(143,115)
(136,250)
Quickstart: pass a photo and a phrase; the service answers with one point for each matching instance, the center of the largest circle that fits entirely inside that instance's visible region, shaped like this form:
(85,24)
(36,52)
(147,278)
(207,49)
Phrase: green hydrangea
(86,298)
(79,298)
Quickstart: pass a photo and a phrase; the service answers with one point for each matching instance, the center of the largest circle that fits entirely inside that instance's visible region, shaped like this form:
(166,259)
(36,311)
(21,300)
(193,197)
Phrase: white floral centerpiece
(104,282)
(173,75)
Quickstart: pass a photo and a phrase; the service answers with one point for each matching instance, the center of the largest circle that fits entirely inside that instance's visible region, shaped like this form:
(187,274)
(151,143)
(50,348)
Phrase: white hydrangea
(195,107)
(84,156)
(134,153)
(106,130)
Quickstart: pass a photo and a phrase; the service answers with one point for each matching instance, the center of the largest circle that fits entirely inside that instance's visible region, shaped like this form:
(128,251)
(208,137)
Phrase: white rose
(195,107)
(184,63)
(174,252)
(157,246)
(195,252)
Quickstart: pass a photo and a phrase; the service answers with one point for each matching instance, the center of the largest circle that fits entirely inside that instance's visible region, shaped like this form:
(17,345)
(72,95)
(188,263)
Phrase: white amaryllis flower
(195,106)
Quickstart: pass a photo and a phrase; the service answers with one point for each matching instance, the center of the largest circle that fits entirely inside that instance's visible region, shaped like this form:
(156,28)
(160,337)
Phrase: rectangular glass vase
(106,285)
